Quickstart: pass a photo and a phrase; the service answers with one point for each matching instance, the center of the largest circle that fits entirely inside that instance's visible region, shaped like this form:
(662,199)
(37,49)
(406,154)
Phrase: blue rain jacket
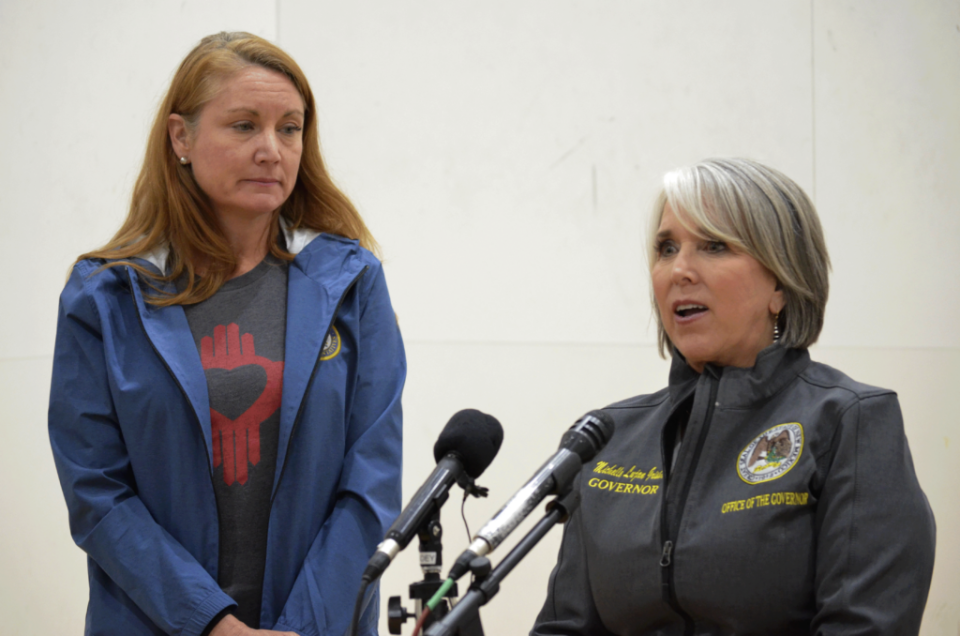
(130,428)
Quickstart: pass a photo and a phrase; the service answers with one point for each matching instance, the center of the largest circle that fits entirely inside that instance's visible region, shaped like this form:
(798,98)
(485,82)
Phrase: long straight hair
(168,208)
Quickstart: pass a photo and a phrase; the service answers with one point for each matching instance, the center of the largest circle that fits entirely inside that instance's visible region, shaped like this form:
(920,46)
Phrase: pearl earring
(183,161)
(776,327)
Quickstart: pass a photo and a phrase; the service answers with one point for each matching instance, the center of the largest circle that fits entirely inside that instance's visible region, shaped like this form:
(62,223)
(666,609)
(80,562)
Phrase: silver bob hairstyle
(763,213)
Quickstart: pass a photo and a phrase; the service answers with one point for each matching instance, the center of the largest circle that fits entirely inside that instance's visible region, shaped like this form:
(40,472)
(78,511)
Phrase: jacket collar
(169,333)
(774,369)
(317,281)
(683,379)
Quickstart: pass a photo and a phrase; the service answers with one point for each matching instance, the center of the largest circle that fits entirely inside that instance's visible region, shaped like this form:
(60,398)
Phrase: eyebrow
(257,113)
(703,236)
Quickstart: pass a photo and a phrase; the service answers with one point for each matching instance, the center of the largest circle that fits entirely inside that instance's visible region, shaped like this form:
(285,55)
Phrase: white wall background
(505,154)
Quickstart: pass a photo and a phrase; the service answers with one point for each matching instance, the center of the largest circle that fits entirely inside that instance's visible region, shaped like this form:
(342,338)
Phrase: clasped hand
(230,625)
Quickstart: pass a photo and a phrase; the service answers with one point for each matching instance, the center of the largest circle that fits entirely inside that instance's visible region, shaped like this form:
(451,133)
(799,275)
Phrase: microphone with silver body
(578,445)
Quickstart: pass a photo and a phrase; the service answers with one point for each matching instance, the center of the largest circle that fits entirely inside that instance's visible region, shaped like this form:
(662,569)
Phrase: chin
(258,208)
(694,354)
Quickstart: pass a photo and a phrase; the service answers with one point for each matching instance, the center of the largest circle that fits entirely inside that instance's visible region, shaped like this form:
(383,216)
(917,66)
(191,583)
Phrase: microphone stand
(430,534)
(487,583)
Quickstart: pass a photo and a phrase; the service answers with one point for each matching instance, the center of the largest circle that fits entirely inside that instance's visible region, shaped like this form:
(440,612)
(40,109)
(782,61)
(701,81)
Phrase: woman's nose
(268,150)
(684,268)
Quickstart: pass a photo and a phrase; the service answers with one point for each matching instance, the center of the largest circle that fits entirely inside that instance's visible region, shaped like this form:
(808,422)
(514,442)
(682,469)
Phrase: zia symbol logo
(232,363)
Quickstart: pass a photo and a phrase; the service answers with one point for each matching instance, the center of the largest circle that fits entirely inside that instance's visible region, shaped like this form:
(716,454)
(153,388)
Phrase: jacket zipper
(669,541)
(316,367)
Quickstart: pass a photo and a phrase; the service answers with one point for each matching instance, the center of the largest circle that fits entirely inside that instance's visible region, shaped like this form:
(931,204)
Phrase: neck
(743,360)
(249,239)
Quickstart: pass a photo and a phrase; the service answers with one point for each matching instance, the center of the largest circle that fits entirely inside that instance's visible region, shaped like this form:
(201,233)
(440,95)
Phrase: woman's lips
(263,182)
(685,312)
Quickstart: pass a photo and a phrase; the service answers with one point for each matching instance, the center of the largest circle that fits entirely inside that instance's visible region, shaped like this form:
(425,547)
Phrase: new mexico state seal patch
(331,344)
(771,454)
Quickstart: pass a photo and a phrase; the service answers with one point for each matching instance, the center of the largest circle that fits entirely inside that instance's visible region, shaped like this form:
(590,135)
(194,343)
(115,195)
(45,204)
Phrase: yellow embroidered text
(621,487)
(771,499)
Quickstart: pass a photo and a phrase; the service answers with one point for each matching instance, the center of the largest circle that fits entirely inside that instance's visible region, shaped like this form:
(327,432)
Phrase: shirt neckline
(253,275)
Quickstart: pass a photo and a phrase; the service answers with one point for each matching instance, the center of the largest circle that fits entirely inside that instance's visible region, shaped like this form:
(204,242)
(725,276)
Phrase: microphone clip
(470,486)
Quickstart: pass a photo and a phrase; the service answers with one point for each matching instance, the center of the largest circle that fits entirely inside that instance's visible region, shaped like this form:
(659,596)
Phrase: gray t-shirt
(239,332)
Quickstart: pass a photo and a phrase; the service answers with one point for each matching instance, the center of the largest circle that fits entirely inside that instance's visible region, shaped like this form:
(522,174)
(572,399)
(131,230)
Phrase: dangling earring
(183,161)
(776,327)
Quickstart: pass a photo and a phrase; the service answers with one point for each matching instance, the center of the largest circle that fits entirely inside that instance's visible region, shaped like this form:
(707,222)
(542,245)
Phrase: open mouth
(685,311)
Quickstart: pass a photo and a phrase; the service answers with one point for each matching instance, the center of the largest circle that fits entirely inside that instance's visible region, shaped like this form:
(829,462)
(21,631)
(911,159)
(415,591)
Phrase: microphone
(578,445)
(466,446)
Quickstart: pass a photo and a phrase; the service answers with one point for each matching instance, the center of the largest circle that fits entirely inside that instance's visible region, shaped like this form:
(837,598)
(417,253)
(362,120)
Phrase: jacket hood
(297,239)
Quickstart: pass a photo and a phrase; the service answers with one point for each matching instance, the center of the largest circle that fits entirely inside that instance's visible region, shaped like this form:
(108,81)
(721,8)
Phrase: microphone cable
(432,604)
(358,606)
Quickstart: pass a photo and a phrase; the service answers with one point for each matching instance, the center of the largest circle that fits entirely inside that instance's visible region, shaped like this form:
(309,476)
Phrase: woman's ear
(179,137)
(777,301)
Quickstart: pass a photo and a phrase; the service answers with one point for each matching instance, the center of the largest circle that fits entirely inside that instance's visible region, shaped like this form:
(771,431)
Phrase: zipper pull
(665,556)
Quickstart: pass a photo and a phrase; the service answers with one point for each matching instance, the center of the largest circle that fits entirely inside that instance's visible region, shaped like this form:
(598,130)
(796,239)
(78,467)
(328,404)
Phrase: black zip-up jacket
(790,506)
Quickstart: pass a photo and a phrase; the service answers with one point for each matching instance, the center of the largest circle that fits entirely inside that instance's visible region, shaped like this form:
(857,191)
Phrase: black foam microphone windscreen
(474,437)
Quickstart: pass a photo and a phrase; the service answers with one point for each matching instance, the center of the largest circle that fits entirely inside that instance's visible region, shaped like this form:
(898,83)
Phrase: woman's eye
(243,126)
(715,247)
(291,129)
(666,248)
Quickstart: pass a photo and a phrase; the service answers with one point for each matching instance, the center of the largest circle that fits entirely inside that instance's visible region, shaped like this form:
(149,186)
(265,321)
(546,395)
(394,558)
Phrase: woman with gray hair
(760,492)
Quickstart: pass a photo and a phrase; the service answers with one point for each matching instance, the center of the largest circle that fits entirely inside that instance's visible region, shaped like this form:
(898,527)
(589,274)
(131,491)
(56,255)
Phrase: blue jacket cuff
(209,609)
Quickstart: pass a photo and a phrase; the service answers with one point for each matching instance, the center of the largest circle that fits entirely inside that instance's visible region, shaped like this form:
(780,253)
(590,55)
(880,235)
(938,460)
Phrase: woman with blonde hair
(767,493)
(225,408)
